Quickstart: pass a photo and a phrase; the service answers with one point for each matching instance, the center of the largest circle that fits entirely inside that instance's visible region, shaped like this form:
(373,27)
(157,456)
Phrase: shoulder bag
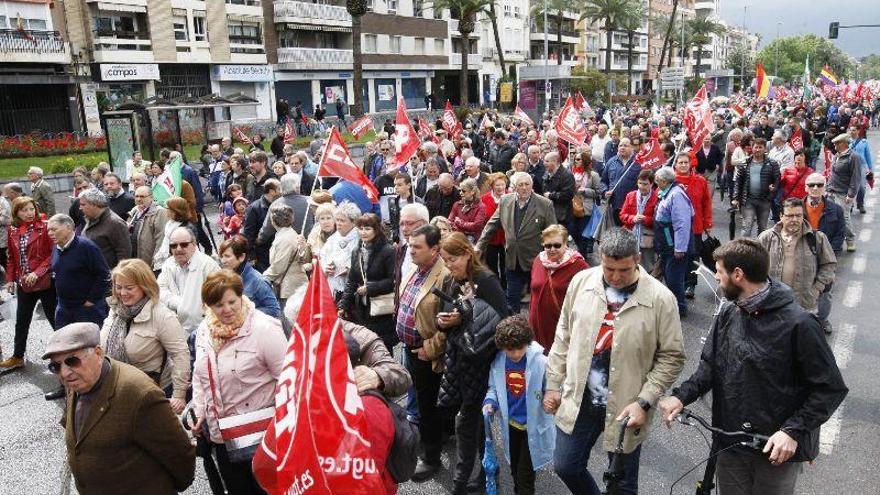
(379,305)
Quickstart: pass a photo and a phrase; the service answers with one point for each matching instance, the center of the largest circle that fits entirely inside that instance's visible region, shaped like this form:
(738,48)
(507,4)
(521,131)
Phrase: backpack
(404,454)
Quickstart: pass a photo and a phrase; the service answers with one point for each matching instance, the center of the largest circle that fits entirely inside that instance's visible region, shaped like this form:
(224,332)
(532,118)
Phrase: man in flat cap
(121,435)
(844,182)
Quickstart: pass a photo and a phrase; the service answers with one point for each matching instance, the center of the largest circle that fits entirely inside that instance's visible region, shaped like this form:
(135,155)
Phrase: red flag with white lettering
(521,115)
(316,443)
(569,125)
(450,121)
(242,137)
(698,117)
(406,140)
(426,132)
(651,156)
(797,140)
(289,135)
(337,162)
(581,103)
(361,126)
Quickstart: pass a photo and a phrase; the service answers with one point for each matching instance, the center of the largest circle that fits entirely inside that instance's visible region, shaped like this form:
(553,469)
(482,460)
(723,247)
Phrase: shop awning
(118,7)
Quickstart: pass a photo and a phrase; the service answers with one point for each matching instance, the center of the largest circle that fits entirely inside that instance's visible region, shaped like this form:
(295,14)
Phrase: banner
(336,162)
(168,185)
(521,115)
(425,132)
(569,124)
(406,141)
(581,103)
(242,137)
(797,140)
(361,126)
(289,135)
(450,121)
(506,92)
(317,442)
(651,156)
(698,118)
(762,82)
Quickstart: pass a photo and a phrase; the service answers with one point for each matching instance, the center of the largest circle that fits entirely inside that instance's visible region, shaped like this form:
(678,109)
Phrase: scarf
(220,333)
(641,204)
(750,304)
(568,256)
(123,315)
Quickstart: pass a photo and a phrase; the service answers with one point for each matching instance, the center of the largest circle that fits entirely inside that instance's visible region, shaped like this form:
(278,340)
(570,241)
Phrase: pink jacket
(248,367)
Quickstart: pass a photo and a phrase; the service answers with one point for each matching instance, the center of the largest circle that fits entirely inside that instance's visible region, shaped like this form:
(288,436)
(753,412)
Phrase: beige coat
(646,356)
(813,272)
(427,307)
(286,263)
(155,336)
(150,233)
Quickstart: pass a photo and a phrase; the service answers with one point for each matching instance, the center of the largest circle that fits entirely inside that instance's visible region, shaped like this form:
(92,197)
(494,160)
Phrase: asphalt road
(32,450)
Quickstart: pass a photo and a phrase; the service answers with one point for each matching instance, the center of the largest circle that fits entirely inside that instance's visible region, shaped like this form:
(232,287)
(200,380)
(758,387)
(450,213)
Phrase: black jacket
(537,172)
(559,188)
(833,224)
(254,217)
(380,280)
(121,205)
(438,204)
(470,347)
(768,371)
(711,162)
(501,156)
(769,176)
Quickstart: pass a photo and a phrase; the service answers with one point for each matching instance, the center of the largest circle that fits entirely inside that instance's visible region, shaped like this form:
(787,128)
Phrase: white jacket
(186,299)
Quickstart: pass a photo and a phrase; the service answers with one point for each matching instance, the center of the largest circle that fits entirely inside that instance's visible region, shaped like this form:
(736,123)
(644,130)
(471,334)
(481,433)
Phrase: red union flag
(406,140)
(316,443)
(698,117)
(289,135)
(361,126)
(797,140)
(450,121)
(569,124)
(426,132)
(581,103)
(651,157)
(242,136)
(521,115)
(337,162)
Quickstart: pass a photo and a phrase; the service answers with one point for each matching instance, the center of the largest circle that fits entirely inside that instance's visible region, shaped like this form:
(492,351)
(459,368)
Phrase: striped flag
(168,185)
(762,82)
(289,135)
(827,76)
(242,137)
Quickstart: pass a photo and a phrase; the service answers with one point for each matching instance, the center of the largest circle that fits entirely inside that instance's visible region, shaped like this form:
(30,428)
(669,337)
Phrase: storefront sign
(247,73)
(130,72)
(528,97)
(506,92)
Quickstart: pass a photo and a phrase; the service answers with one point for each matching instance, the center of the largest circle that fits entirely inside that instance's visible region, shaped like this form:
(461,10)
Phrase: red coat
(547,294)
(491,206)
(697,188)
(630,209)
(38,251)
(470,222)
(793,182)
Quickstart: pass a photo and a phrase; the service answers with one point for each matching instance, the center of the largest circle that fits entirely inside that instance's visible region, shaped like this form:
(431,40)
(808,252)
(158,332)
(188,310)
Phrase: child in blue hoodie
(516,391)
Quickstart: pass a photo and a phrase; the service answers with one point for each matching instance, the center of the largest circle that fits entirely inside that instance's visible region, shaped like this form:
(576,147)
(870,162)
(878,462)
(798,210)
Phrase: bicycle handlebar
(756,440)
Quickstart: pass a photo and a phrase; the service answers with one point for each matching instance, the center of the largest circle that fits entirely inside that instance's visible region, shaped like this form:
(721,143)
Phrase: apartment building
(660,13)
(38,85)
(620,50)
(589,46)
(560,27)
(513,33)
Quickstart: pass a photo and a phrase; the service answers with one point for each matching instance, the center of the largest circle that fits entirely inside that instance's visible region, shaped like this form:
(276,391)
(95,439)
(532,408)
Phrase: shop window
(369,43)
(181,33)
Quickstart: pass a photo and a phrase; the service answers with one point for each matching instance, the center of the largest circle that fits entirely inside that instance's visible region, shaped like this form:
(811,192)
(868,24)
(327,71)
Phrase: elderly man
(620,176)
(827,217)
(41,191)
(137,180)
(297,164)
(290,196)
(472,171)
(440,198)
(559,187)
(180,283)
(412,216)
(597,147)
(780,151)
(523,216)
(114,411)
(844,182)
(618,347)
(147,226)
(12,190)
(254,218)
(104,228)
(119,201)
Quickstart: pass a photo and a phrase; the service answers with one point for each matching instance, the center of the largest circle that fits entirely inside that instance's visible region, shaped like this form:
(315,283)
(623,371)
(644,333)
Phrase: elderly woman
(233,256)
(28,269)
(177,212)
(443,225)
(552,271)
(325,226)
(239,356)
(673,237)
(287,255)
(519,163)
(336,253)
(470,339)
(637,215)
(144,333)
(468,214)
(495,250)
(587,182)
(368,299)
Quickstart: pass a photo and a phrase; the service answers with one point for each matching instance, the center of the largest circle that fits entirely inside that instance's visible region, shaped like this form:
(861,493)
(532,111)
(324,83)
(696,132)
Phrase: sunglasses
(70,362)
(556,245)
(181,245)
(815,185)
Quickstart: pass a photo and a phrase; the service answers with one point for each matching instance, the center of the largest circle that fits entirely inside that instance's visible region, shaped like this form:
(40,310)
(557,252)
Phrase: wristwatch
(643,403)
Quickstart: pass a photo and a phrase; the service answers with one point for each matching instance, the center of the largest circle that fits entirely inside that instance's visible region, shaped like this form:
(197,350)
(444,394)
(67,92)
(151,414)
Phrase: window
(199,32)
(506,10)
(2,22)
(245,33)
(34,24)
(392,6)
(181,33)
(116,26)
(395,44)
(420,46)
(369,5)
(516,12)
(418,8)
(369,43)
(439,48)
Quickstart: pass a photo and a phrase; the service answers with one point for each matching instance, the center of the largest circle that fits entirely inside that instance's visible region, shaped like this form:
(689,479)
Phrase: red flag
(406,140)
(425,131)
(651,155)
(337,162)
(828,159)
(242,136)
(450,121)
(361,126)
(521,115)
(581,103)
(797,140)
(289,135)
(698,118)
(305,120)
(316,443)
(569,125)
(486,122)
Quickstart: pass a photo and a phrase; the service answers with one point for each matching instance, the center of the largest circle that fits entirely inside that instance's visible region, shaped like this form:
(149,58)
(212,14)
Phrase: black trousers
(521,462)
(237,476)
(24,314)
(468,441)
(427,386)
(495,259)
(203,238)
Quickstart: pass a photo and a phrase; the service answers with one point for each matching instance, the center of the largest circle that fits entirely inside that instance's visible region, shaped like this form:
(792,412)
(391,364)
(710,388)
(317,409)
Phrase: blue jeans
(517,281)
(573,453)
(674,273)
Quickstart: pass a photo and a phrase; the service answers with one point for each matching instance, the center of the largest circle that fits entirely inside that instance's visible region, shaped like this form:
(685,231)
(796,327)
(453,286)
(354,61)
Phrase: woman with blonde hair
(144,333)
(442,224)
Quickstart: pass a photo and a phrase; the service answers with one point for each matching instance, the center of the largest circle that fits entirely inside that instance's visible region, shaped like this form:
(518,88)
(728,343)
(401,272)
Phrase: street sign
(672,78)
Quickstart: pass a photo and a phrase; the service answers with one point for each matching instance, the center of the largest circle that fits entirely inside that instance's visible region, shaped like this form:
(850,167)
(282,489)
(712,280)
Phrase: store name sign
(247,73)
(130,72)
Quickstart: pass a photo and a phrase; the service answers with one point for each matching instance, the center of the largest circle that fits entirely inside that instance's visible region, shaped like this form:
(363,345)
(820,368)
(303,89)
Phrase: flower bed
(63,143)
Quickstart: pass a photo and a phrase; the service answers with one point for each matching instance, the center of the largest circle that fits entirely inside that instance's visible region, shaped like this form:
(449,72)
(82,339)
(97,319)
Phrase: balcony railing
(492,52)
(286,11)
(122,34)
(16,41)
(308,57)
(474,59)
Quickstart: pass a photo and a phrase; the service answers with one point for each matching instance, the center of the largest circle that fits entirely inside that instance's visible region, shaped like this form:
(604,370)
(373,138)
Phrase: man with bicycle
(770,372)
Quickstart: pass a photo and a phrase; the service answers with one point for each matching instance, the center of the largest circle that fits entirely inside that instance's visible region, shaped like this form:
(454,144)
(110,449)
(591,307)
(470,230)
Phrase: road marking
(859,264)
(844,338)
(830,431)
(853,294)
(865,235)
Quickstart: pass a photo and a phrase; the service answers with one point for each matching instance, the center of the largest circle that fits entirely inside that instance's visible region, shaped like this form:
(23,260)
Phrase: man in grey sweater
(843,185)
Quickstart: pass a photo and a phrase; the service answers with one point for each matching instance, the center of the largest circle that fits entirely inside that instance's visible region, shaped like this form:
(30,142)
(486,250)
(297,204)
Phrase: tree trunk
(699,61)
(358,63)
(668,39)
(498,46)
(629,63)
(559,37)
(608,29)
(465,51)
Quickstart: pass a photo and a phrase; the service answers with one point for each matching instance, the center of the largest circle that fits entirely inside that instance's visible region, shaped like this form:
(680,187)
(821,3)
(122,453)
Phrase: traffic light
(832,30)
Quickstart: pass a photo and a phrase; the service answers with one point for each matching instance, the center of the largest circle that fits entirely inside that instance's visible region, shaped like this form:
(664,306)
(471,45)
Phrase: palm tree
(666,39)
(701,30)
(493,17)
(554,14)
(609,12)
(631,20)
(356,9)
(467,12)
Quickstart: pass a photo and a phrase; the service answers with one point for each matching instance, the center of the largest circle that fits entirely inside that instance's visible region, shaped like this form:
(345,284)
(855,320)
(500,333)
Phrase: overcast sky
(809,16)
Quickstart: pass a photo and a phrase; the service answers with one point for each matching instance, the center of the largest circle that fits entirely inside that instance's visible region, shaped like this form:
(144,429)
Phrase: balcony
(568,37)
(314,58)
(244,7)
(311,13)
(33,46)
(474,60)
(453,27)
(509,55)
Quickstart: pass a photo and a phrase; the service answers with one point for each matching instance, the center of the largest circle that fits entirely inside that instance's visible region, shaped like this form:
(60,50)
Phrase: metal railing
(314,11)
(28,41)
(122,34)
(474,59)
(314,56)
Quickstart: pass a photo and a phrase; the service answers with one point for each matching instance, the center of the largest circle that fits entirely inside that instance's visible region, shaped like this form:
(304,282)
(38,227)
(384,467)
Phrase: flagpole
(317,175)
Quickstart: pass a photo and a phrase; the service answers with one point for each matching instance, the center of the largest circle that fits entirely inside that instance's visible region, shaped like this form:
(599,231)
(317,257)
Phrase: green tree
(870,68)
(356,9)
(609,12)
(466,11)
(632,18)
(593,83)
(793,51)
(701,31)
(666,39)
(741,59)
(554,16)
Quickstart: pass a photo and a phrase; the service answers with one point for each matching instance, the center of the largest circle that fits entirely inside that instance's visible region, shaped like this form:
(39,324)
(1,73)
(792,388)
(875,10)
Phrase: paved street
(32,450)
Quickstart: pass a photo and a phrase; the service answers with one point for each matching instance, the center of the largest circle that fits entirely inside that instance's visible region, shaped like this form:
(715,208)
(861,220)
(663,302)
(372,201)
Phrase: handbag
(379,305)
(593,223)
(241,433)
(710,244)
(577,206)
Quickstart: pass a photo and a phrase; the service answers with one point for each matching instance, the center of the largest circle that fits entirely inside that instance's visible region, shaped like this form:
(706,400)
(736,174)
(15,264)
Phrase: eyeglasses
(553,245)
(70,361)
(816,185)
(181,245)
(385,150)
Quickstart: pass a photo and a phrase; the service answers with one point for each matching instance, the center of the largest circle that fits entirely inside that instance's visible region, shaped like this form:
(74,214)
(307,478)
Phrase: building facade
(620,52)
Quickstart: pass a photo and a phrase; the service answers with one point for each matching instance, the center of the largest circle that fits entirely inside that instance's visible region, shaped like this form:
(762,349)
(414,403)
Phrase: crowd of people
(484,265)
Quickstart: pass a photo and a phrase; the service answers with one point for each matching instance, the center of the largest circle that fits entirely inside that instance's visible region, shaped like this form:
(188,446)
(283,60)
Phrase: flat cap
(73,337)
(841,138)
